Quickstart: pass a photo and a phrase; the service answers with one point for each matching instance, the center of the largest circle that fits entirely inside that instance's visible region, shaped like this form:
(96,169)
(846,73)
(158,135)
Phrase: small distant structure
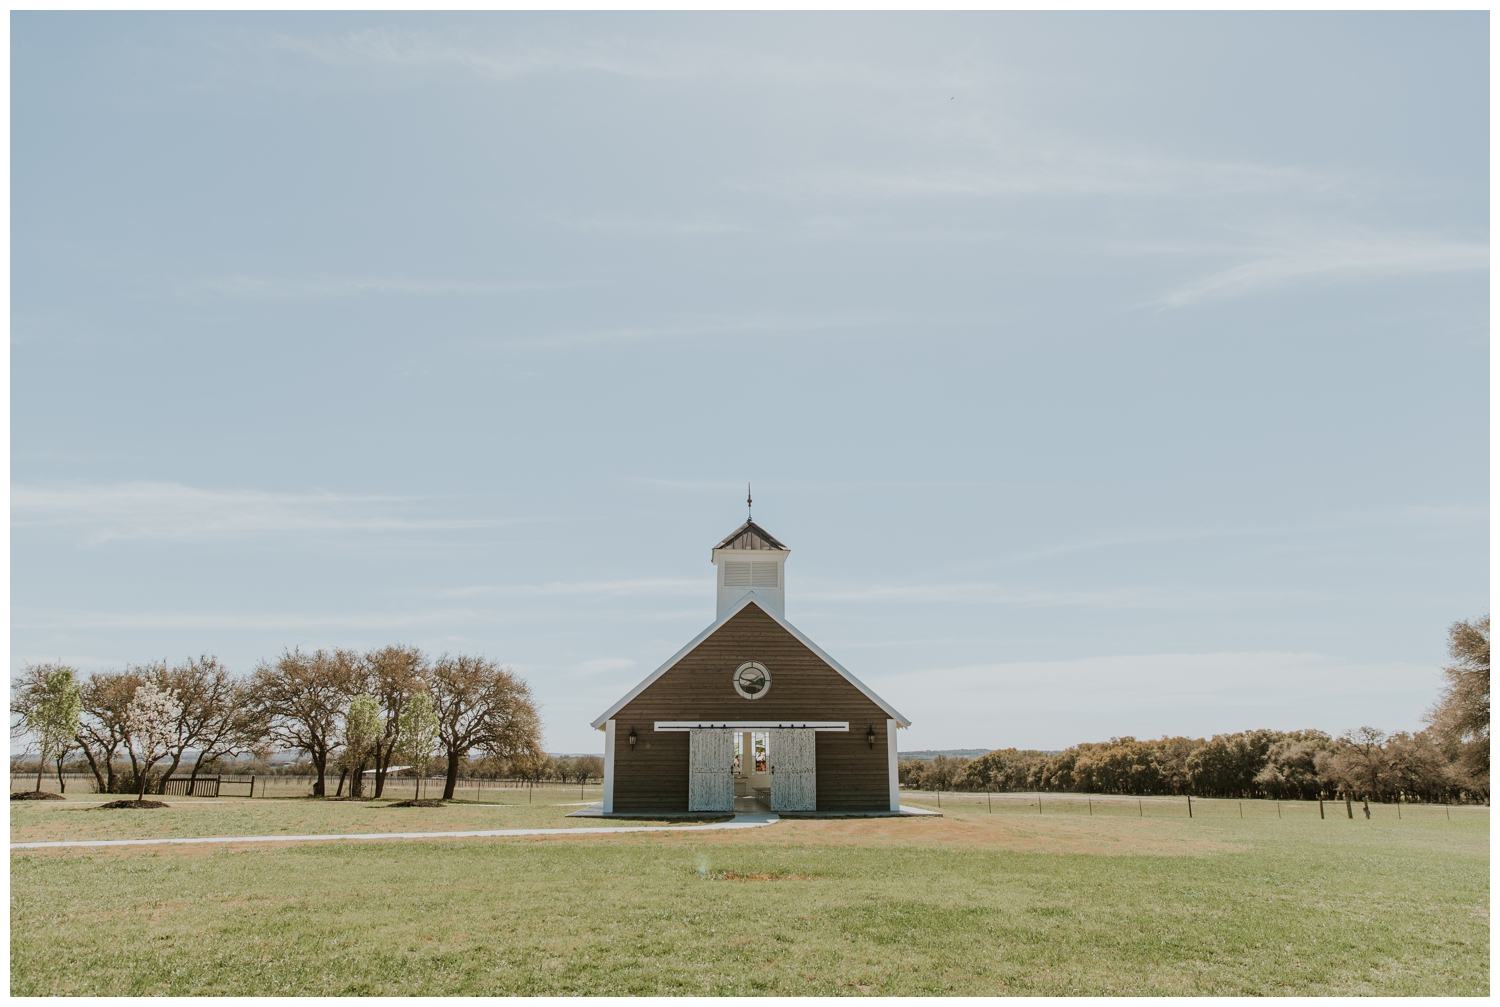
(751,708)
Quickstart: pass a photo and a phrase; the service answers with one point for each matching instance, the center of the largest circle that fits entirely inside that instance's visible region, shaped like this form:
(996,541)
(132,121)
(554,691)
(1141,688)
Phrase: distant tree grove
(343,711)
(1447,761)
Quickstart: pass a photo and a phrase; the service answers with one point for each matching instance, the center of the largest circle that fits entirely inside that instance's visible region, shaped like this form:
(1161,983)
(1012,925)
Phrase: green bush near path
(908,907)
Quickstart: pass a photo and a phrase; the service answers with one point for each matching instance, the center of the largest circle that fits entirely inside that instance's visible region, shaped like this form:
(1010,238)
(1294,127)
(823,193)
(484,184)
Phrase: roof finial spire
(749,502)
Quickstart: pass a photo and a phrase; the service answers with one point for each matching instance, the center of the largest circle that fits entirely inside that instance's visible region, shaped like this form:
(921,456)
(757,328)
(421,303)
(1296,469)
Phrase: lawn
(81,818)
(1015,901)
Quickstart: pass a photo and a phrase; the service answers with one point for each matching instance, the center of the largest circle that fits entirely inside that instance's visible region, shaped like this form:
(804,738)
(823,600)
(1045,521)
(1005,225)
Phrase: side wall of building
(652,775)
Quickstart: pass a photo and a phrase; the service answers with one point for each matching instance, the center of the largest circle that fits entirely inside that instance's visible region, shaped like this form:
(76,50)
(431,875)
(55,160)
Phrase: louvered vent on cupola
(751,561)
(752,573)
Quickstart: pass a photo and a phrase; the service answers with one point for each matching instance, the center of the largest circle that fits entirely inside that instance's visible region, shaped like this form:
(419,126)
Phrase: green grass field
(43,821)
(1014,901)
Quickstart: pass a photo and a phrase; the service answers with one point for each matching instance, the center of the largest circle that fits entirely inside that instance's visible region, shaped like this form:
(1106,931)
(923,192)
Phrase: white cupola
(751,562)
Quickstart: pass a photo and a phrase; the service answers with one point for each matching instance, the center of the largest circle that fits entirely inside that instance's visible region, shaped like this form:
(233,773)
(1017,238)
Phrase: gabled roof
(750,599)
(750,536)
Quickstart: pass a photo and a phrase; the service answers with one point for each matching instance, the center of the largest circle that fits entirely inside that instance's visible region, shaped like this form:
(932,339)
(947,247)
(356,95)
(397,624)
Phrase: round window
(752,680)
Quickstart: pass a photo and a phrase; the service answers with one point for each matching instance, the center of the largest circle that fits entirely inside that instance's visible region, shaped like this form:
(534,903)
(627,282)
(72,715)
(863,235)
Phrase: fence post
(1320,805)
(1039,802)
(1242,810)
(1140,807)
(987,802)
(1190,805)
(1091,806)
(252,787)
(1278,810)
(1349,804)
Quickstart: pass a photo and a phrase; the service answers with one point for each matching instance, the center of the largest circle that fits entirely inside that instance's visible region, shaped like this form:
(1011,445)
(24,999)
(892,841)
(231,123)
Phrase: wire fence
(1218,808)
(494,791)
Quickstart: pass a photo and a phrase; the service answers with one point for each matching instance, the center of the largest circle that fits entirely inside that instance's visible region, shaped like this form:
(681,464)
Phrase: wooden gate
(711,770)
(185,786)
(794,776)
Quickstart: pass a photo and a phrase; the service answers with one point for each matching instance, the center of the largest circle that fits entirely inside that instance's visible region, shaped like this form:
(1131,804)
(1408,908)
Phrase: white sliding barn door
(794,776)
(711,771)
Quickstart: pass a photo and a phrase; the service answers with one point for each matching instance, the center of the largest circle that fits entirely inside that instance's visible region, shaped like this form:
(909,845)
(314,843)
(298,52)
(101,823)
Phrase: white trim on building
(749,725)
(609,767)
(890,754)
(769,609)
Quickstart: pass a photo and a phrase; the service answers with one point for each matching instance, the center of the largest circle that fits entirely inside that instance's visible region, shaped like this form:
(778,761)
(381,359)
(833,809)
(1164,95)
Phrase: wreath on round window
(752,680)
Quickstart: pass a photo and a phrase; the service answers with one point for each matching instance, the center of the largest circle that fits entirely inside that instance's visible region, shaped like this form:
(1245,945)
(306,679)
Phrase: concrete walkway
(738,822)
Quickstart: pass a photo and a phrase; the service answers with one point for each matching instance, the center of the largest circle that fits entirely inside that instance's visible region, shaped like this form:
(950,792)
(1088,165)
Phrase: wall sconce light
(632,739)
(871,737)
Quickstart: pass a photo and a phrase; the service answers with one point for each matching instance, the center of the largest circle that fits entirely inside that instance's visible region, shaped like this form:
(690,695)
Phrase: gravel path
(738,822)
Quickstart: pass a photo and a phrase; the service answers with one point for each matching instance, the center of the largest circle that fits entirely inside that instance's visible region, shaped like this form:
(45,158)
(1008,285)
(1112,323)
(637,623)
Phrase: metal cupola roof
(751,536)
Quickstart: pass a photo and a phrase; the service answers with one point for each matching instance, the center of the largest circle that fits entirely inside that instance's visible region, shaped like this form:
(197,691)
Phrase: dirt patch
(423,803)
(361,800)
(144,805)
(35,795)
(1120,837)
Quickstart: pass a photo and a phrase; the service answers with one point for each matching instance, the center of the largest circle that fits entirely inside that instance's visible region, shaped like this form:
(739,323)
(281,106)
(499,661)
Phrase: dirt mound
(133,804)
(35,795)
(423,803)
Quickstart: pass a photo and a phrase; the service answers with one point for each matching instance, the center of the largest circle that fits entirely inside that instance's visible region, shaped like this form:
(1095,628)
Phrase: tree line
(1449,760)
(343,710)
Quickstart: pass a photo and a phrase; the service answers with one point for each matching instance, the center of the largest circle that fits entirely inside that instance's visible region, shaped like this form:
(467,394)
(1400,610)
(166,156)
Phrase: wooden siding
(654,776)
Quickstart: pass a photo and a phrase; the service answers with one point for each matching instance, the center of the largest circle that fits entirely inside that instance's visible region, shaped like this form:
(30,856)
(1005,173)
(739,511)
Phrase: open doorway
(752,771)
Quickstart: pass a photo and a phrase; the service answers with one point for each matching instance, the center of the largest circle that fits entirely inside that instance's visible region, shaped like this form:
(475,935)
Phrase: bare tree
(580,769)
(1358,768)
(1461,718)
(102,732)
(302,699)
(481,705)
(396,672)
(230,724)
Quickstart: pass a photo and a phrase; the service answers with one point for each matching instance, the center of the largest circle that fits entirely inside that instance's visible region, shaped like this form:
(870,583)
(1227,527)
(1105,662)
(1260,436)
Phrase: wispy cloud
(1154,681)
(1038,166)
(652,57)
(1052,704)
(1345,521)
(716,487)
(708,327)
(651,225)
(402,49)
(1335,258)
(659,587)
(284,622)
(283,288)
(323,624)
(603,664)
(1126,597)
(172,511)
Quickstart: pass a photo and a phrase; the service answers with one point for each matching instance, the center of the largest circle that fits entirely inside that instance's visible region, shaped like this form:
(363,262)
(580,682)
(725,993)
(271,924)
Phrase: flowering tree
(362,727)
(152,720)
(419,732)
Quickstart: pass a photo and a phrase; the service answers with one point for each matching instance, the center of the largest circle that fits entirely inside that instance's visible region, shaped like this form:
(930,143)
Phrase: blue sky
(1106,374)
